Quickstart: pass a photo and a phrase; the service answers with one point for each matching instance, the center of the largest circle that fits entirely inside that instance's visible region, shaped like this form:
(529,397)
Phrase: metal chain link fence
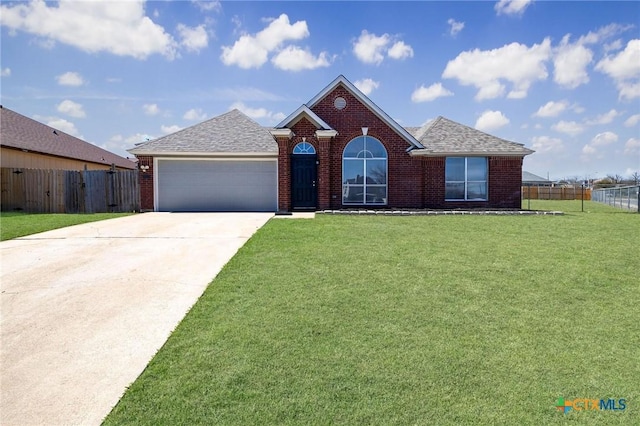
(623,197)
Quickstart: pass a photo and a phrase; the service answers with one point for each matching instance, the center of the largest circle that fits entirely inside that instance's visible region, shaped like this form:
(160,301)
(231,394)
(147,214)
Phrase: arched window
(364,172)
(304,148)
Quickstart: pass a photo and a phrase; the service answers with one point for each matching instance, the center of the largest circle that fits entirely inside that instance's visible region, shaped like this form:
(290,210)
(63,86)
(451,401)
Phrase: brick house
(339,150)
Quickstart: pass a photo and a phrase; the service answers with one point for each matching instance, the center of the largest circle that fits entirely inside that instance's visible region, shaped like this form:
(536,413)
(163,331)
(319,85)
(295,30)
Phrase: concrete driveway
(85,308)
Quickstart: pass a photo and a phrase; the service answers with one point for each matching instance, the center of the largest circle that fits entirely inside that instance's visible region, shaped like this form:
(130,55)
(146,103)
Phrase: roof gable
(375,109)
(303,112)
(446,137)
(20,132)
(232,132)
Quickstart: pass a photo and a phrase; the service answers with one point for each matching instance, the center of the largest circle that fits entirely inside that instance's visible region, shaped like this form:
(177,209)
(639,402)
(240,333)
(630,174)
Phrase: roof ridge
(216,117)
(480,131)
(372,106)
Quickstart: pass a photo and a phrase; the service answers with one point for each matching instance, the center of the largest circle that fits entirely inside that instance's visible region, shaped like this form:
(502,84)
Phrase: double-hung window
(466,179)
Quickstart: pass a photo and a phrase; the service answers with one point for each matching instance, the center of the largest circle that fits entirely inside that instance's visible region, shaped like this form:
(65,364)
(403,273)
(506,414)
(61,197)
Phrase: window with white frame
(466,178)
(364,172)
(304,148)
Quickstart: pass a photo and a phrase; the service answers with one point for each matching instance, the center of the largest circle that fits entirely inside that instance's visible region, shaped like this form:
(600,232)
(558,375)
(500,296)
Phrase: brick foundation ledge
(399,212)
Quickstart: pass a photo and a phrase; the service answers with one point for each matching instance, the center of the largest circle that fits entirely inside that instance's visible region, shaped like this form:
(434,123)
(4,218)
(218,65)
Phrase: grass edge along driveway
(408,320)
(17,224)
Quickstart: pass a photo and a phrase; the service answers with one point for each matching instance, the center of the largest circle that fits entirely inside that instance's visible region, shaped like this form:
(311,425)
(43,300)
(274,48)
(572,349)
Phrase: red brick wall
(405,174)
(284,174)
(434,182)
(146,183)
(505,182)
(505,179)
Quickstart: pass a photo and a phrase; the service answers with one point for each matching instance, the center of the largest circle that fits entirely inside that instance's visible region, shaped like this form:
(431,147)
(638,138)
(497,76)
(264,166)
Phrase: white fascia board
(341,79)
(281,133)
(428,153)
(208,154)
(326,133)
(304,110)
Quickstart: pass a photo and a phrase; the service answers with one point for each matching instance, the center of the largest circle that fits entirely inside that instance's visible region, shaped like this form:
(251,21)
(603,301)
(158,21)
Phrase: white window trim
(364,185)
(466,182)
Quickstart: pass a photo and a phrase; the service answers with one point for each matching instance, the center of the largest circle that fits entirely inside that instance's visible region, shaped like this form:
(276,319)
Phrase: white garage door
(217,185)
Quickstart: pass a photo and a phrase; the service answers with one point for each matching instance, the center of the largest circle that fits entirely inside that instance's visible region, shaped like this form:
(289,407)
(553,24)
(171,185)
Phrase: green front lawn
(409,320)
(14,224)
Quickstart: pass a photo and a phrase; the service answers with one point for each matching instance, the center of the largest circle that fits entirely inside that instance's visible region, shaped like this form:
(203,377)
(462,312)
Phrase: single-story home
(337,151)
(28,144)
(529,179)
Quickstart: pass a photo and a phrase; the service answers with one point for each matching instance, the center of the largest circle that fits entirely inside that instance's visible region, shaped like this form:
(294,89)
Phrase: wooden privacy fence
(555,193)
(70,191)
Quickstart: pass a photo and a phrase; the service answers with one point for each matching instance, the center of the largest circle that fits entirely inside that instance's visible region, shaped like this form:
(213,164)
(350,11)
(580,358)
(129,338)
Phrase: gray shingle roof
(530,177)
(232,132)
(446,137)
(20,132)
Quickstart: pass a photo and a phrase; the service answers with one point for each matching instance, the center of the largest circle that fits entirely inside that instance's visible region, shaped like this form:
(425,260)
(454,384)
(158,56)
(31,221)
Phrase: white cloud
(491,120)
(400,51)
(170,129)
(5,72)
(258,113)
(70,79)
(632,146)
(137,138)
(605,138)
(366,85)
(570,62)
(427,94)
(151,109)
(632,121)
(512,7)
(488,69)
(546,144)
(120,28)
(370,48)
(624,69)
(604,33)
(588,150)
(600,140)
(293,58)
(71,108)
(59,124)
(614,45)
(251,51)
(195,114)
(605,118)
(570,128)
(208,5)
(454,27)
(193,39)
(551,109)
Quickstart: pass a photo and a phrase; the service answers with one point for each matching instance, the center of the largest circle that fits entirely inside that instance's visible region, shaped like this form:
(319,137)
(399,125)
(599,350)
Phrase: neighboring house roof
(229,133)
(531,178)
(341,80)
(26,134)
(446,137)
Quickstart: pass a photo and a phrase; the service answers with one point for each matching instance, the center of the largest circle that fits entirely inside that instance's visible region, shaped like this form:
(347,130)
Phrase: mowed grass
(15,224)
(409,320)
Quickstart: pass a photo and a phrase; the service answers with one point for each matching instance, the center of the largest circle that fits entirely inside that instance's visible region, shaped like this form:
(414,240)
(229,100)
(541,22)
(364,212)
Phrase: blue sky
(563,78)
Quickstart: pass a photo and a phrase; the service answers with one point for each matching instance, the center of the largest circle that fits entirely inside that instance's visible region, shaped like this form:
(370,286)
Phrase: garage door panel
(205,185)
